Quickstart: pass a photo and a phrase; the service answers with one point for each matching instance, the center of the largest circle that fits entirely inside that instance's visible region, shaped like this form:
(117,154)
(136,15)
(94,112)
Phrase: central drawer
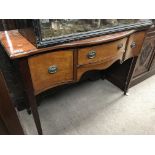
(51,69)
(101,53)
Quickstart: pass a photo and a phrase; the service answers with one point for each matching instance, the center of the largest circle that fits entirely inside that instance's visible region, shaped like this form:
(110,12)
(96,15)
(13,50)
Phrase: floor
(96,107)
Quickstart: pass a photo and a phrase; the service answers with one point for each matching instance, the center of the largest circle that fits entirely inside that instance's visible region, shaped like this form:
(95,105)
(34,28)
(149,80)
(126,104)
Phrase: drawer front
(134,44)
(51,69)
(101,53)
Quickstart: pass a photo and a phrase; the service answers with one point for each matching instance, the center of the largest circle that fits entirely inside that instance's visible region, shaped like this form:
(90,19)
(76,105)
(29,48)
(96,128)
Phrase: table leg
(26,76)
(130,74)
(34,110)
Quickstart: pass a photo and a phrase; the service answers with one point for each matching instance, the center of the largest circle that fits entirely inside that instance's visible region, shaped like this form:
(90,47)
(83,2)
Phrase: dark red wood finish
(8,113)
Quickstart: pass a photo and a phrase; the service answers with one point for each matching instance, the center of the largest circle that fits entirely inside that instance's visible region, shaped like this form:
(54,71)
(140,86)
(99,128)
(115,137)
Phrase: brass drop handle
(133,44)
(91,54)
(52,69)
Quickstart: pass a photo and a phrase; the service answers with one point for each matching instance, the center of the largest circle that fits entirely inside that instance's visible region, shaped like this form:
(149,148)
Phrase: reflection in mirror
(51,28)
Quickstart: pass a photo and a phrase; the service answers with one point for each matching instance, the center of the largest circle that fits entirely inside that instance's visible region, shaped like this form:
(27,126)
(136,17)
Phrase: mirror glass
(54,28)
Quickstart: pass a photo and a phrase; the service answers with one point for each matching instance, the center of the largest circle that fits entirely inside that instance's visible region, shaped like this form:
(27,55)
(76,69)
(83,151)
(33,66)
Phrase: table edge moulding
(17,46)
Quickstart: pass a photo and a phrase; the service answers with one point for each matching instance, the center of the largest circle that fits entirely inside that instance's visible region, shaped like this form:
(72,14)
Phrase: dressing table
(47,67)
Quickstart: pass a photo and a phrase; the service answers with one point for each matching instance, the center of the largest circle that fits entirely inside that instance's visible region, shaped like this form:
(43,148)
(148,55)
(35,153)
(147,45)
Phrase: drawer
(101,53)
(134,44)
(51,69)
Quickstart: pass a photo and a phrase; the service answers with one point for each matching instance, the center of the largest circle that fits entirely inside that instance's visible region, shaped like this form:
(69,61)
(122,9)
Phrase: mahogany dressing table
(45,68)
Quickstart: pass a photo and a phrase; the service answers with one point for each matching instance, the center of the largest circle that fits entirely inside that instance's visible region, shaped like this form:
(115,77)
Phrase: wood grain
(103,52)
(138,38)
(31,98)
(145,57)
(97,66)
(145,66)
(17,46)
(7,111)
(42,80)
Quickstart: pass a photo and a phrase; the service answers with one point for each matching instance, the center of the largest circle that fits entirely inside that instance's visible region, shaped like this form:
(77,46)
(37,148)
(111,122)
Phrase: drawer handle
(119,46)
(91,54)
(52,69)
(133,44)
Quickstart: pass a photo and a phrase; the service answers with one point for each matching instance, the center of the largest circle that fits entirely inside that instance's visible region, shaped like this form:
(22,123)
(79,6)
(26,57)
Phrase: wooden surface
(145,66)
(143,63)
(42,80)
(147,52)
(3,129)
(12,77)
(7,111)
(138,38)
(17,46)
(153,61)
(31,98)
(118,73)
(71,60)
(97,66)
(103,52)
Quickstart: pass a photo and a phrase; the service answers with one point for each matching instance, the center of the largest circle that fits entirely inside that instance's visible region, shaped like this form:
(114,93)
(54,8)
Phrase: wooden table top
(18,46)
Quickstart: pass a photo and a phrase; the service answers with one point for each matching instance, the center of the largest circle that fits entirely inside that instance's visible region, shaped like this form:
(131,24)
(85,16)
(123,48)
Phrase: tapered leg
(34,110)
(130,74)
(31,98)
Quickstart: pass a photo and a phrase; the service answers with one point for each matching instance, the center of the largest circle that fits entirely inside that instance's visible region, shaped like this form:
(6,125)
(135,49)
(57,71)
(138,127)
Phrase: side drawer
(134,44)
(51,69)
(101,53)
